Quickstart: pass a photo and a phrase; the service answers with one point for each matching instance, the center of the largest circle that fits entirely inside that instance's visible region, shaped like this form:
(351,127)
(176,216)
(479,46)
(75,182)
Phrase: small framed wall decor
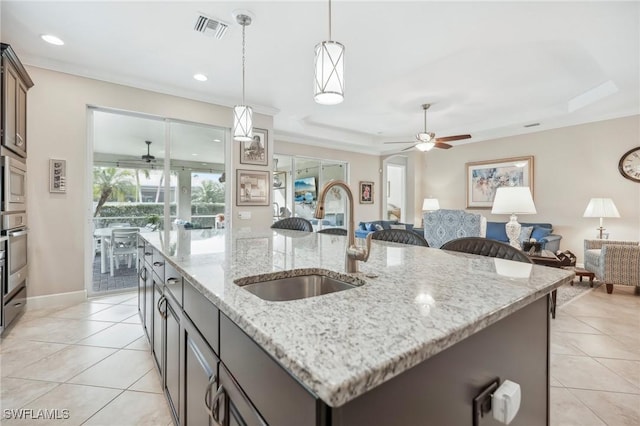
(366,192)
(57,176)
(255,151)
(252,188)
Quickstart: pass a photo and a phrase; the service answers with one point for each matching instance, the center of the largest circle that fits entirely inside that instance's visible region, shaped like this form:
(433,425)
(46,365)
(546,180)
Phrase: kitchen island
(426,329)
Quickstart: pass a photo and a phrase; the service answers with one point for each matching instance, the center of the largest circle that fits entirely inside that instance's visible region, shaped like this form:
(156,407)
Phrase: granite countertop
(340,345)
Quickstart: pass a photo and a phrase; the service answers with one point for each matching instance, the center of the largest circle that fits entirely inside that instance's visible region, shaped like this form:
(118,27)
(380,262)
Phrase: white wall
(362,167)
(571,165)
(57,128)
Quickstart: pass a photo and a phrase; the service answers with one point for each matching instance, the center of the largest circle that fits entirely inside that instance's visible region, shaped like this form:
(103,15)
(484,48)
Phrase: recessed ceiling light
(52,39)
(217,140)
(195,155)
(200,77)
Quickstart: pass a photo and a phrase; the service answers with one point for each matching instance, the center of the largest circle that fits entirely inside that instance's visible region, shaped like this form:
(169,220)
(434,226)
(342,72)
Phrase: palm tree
(108,181)
(209,192)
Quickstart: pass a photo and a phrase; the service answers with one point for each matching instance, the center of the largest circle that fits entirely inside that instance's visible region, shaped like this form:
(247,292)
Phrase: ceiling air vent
(210,27)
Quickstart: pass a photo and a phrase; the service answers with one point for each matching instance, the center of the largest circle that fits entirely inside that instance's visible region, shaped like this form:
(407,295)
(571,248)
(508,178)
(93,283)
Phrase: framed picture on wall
(255,151)
(485,177)
(366,192)
(252,187)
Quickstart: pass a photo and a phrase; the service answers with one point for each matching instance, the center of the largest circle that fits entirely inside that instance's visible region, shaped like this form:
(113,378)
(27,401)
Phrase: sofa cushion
(497,231)
(525,233)
(540,232)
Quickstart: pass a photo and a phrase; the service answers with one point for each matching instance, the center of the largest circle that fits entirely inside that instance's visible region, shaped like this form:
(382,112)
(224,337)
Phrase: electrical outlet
(244,215)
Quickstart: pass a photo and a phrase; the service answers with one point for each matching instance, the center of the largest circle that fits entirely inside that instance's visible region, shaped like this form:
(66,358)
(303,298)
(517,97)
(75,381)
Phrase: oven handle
(17,233)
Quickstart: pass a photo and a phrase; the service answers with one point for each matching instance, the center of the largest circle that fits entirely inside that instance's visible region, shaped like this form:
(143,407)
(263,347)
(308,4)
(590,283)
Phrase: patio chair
(123,243)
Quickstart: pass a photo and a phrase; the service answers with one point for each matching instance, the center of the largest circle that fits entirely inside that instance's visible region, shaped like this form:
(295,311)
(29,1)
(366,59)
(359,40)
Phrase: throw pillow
(370,227)
(539,232)
(525,233)
(378,227)
(363,227)
(398,227)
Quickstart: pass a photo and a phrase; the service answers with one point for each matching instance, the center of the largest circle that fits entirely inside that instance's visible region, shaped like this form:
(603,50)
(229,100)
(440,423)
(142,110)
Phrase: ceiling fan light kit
(243,114)
(329,71)
(425,141)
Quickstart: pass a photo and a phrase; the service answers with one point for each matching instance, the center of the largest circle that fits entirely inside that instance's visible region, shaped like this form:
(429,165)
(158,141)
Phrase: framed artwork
(57,176)
(255,152)
(366,192)
(252,187)
(485,177)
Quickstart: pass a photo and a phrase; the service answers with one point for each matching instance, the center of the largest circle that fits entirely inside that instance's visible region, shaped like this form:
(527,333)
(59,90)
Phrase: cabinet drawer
(173,282)
(279,398)
(158,264)
(203,314)
(14,306)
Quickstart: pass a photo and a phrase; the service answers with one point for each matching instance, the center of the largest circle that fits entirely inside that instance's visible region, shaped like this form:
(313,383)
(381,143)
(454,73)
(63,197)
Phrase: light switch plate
(244,215)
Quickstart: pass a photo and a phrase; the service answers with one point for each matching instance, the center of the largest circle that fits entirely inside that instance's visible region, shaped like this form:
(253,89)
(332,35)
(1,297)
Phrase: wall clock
(629,164)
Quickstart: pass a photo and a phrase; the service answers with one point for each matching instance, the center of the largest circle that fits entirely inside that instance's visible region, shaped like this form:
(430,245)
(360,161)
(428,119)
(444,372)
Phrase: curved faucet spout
(354,253)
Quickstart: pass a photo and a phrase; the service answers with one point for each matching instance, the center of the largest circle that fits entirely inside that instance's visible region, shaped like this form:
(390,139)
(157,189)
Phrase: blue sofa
(365,228)
(542,232)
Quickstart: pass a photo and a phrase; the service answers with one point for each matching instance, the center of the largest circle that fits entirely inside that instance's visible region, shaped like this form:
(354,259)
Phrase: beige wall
(57,128)
(362,167)
(571,165)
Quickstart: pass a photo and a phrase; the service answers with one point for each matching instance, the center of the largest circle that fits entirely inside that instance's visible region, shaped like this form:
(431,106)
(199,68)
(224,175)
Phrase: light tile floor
(595,360)
(93,360)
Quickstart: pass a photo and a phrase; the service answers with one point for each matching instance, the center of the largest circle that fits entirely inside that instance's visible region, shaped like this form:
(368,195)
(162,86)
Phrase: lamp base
(513,231)
(600,230)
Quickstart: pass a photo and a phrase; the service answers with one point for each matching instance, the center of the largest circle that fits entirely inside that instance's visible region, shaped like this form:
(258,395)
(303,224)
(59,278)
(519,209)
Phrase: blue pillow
(496,231)
(362,226)
(540,233)
(525,233)
(370,227)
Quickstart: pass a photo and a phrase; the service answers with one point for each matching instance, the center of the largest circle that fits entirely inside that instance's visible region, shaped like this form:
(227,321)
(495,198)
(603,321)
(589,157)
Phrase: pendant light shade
(329,82)
(243,114)
(242,123)
(329,70)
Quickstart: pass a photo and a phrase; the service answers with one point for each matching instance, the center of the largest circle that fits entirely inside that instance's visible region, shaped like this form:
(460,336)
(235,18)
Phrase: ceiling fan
(146,158)
(425,141)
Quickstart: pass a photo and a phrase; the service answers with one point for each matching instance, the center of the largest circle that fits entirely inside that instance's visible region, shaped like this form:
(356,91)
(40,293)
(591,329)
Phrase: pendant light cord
(243,60)
(329,20)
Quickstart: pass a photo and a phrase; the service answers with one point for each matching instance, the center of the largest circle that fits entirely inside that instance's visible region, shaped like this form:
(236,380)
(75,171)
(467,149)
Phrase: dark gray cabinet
(157,346)
(172,354)
(148,307)
(200,378)
(234,407)
(15,83)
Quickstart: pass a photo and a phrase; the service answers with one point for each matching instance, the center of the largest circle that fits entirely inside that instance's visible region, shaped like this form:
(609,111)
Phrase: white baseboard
(56,300)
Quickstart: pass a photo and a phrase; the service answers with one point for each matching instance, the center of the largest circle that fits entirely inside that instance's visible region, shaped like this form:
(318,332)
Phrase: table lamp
(601,207)
(513,200)
(430,204)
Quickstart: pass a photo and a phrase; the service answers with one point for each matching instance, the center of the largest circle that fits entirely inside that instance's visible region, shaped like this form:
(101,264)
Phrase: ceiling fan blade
(408,148)
(400,142)
(453,138)
(442,145)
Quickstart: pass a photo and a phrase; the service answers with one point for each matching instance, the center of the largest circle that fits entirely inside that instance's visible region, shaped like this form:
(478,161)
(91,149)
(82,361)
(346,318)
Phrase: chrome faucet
(354,252)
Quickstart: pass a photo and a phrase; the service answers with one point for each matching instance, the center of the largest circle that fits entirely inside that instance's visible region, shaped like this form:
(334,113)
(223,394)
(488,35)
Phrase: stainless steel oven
(14,190)
(16,261)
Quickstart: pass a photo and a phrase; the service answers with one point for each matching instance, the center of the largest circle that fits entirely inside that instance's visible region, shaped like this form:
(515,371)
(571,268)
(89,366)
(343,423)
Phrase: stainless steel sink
(296,287)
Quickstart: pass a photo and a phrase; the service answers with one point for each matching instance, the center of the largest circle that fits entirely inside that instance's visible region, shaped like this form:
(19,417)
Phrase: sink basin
(277,289)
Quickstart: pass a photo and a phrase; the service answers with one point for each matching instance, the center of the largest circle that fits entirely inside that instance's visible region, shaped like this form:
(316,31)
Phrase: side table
(581,272)
(548,258)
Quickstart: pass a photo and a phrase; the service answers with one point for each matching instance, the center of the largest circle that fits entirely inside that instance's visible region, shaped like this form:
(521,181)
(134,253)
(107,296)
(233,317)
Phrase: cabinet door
(158,313)
(21,116)
(10,85)
(142,278)
(148,303)
(200,377)
(235,407)
(172,356)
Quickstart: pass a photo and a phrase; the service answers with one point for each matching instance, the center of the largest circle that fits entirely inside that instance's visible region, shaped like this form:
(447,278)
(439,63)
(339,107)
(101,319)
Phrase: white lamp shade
(430,204)
(329,77)
(242,123)
(601,207)
(513,200)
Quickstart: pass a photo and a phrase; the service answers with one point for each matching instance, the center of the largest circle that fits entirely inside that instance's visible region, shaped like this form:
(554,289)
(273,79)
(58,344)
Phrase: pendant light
(243,114)
(329,66)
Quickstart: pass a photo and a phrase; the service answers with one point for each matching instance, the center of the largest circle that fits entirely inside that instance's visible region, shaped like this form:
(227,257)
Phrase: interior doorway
(396,190)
